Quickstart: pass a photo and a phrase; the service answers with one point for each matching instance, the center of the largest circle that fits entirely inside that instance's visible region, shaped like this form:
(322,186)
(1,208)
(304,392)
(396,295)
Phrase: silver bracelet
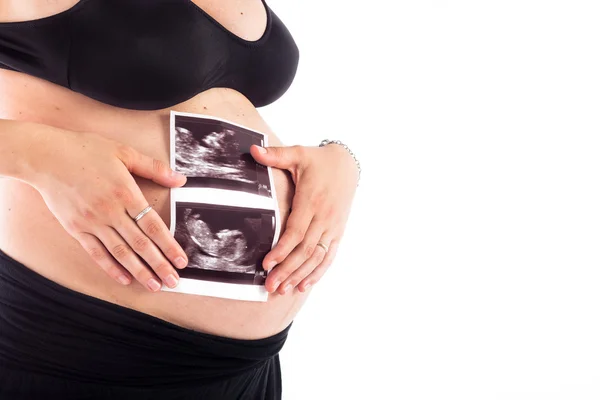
(327,141)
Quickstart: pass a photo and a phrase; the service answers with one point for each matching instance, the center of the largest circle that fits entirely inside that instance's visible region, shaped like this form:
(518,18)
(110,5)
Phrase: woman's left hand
(325,179)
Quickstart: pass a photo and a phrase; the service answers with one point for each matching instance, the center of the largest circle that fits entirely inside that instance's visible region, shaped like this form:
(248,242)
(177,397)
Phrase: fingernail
(180,262)
(286,288)
(262,150)
(171,281)
(270,265)
(154,285)
(307,286)
(123,280)
(175,174)
(276,285)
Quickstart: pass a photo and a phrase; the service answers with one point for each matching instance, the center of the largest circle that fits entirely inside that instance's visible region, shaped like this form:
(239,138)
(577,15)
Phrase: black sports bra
(149,54)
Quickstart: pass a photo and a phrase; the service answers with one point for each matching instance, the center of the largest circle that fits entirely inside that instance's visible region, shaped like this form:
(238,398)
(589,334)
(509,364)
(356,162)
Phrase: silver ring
(324,246)
(142,213)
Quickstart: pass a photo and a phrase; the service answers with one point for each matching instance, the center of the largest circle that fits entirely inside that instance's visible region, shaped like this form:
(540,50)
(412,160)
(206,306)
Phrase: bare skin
(31,233)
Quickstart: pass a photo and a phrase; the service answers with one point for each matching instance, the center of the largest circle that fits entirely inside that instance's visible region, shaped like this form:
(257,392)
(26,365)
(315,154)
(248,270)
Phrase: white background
(470,266)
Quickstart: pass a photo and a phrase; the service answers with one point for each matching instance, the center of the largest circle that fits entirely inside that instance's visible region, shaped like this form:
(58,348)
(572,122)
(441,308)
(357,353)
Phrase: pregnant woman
(86,88)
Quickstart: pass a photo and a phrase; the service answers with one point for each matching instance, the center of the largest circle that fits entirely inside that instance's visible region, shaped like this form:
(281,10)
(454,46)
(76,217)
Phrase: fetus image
(224,239)
(215,154)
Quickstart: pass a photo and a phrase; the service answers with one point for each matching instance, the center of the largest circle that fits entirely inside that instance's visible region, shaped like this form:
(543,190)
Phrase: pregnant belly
(30,234)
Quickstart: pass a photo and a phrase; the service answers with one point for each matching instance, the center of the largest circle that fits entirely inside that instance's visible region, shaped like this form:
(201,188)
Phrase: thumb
(279,157)
(155,170)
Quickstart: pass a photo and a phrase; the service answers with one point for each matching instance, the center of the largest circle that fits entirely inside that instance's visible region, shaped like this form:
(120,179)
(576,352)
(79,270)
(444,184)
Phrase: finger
(102,257)
(318,272)
(295,229)
(306,268)
(147,250)
(150,168)
(289,157)
(302,252)
(155,228)
(125,256)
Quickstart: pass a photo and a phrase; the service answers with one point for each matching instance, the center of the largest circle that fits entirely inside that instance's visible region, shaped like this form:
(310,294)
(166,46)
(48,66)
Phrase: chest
(244,18)
(150,54)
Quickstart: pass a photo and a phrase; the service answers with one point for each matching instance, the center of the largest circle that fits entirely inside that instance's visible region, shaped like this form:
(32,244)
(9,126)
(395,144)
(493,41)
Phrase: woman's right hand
(86,181)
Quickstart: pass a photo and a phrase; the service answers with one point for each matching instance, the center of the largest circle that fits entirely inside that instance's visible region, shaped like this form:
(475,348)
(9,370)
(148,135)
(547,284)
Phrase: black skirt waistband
(46,328)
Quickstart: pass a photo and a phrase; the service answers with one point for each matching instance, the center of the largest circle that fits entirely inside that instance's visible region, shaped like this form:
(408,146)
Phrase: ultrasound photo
(216,154)
(224,244)
(226,217)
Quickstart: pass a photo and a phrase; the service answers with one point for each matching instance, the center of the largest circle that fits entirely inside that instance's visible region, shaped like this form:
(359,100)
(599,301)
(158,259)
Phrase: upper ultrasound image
(216,154)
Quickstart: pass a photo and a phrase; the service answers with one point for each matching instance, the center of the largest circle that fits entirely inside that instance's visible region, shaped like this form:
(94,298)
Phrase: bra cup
(149,61)
(42,51)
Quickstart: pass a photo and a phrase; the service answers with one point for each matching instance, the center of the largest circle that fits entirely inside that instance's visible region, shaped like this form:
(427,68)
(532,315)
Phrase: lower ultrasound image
(224,243)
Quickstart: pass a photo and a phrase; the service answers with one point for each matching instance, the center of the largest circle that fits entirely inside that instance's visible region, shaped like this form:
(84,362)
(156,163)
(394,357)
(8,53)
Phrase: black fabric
(149,54)
(59,343)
